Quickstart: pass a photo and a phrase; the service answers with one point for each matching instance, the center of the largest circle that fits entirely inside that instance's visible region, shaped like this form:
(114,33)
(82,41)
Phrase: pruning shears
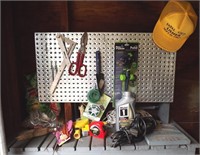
(77,67)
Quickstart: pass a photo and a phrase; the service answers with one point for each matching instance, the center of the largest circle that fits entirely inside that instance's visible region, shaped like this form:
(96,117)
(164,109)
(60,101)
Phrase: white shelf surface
(44,146)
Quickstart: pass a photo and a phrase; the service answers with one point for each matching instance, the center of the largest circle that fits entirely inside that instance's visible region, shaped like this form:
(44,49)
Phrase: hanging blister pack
(126,60)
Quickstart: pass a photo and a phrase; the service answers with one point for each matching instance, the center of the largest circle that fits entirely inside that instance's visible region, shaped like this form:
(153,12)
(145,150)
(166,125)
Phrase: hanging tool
(99,74)
(66,62)
(78,67)
(127,79)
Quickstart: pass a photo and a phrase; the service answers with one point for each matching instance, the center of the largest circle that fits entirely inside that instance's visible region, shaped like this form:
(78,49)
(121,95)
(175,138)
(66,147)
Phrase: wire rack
(156,68)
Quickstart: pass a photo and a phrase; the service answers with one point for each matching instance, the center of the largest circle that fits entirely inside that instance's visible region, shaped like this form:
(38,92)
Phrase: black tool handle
(98,62)
(127,79)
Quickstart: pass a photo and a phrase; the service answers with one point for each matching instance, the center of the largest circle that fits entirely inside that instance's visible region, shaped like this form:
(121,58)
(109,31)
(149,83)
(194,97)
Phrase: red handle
(74,66)
(71,70)
(82,69)
(78,67)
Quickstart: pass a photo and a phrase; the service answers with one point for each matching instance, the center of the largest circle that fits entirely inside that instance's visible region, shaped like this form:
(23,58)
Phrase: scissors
(78,67)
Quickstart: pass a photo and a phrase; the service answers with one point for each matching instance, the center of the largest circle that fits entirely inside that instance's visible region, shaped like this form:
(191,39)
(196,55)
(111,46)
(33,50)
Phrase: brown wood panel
(185,108)
(113,16)
(10,93)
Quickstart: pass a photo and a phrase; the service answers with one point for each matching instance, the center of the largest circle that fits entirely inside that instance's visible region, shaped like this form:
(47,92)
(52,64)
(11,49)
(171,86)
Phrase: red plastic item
(97,129)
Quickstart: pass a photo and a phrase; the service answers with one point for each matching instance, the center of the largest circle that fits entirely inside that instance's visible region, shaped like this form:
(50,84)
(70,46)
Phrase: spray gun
(125,77)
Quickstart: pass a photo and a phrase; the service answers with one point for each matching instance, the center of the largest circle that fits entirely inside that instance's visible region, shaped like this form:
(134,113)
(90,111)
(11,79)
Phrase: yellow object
(80,125)
(176,23)
(77,133)
(85,130)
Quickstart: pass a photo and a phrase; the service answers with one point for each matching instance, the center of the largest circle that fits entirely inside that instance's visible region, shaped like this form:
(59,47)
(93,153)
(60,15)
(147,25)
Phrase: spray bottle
(125,112)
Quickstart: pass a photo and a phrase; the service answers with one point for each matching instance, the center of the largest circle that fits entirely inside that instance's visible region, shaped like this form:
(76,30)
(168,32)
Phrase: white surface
(156,68)
(97,147)
(3,150)
(167,134)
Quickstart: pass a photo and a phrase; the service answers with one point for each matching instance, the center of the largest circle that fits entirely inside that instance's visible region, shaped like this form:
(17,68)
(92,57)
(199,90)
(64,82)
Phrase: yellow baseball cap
(176,23)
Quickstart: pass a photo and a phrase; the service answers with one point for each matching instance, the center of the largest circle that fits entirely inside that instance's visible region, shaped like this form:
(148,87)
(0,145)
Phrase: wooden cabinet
(21,19)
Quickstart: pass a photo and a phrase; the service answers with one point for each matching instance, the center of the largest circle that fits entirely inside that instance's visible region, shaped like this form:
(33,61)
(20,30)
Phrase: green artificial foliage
(49,110)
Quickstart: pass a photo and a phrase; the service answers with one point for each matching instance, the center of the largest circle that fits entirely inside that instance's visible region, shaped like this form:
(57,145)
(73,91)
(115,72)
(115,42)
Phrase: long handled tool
(99,74)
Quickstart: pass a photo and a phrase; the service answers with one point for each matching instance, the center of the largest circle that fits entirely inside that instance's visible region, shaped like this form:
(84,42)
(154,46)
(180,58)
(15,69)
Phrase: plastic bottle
(125,110)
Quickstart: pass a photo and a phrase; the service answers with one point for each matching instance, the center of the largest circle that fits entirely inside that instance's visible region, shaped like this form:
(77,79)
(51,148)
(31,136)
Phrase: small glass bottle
(125,110)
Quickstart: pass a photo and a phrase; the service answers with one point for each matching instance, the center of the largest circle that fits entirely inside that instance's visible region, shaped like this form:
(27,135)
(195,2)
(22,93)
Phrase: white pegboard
(156,68)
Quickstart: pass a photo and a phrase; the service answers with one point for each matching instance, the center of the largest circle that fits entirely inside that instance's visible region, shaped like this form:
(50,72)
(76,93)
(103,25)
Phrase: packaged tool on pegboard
(126,60)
